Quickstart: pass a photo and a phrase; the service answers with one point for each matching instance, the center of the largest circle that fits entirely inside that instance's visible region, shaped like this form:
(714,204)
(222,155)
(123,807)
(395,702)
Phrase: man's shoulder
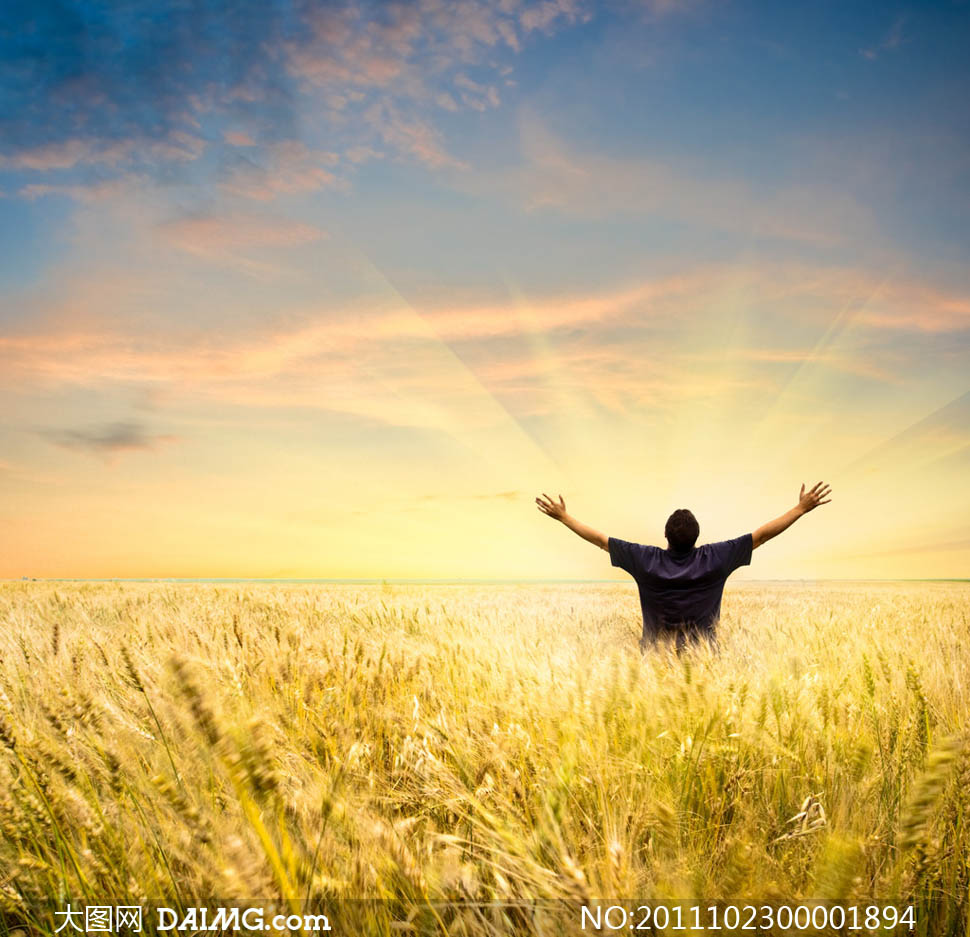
(639,551)
(632,543)
(717,545)
(736,551)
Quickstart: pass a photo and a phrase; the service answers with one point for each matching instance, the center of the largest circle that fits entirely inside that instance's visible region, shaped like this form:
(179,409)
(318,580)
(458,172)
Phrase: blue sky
(453,252)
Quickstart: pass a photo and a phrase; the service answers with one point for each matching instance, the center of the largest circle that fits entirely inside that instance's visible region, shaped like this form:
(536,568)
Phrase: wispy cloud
(488,496)
(285,167)
(921,308)
(62,155)
(842,360)
(238,138)
(542,16)
(79,344)
(617,350)
(231,238)
(365,74)
(411,136)
(891,41)
(67,154)
(560,177)
(477,96)
(654,9)
(106,190)
(108,438)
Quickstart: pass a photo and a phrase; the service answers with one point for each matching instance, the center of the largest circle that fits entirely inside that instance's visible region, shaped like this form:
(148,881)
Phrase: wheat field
(181,741)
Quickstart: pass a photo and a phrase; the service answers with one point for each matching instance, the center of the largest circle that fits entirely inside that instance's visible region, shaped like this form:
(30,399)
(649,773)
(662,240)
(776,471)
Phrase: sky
(299,289)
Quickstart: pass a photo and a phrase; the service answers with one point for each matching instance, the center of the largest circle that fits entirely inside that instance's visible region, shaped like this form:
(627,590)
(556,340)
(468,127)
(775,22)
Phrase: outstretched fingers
(821,493)
(555,509)
(816,495)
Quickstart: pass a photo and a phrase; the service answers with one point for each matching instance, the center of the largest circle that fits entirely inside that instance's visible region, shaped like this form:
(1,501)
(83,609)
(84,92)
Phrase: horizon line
(398,580)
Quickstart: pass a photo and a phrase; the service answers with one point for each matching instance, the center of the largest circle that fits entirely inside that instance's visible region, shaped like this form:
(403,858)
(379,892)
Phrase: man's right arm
(558,511)
(807,501)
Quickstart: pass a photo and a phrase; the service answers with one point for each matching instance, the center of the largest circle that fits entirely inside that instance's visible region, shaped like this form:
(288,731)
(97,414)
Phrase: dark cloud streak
(108,438)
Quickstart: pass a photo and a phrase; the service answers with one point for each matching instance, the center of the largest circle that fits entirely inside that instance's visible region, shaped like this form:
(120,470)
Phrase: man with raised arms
(681,587)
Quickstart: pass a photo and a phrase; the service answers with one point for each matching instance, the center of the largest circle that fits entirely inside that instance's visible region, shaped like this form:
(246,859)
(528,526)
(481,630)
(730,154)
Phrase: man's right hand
(549,506)
(809,500)
(557,511)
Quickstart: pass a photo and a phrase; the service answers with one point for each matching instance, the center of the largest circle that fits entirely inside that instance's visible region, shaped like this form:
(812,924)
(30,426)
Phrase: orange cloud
(90,192)
(919,308)
(397,364)
(226,238)
(67,154)
(238,138)
(407,55)
(64,155)
(474,95)
(287,167)
(541,16)
(839,361)
(76,350)
(392,365)
(413,136)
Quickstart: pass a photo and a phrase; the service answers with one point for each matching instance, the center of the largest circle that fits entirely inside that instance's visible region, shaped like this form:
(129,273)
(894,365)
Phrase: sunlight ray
(503,442)
(835,329)
(553,378)
(773,432)
(959,406)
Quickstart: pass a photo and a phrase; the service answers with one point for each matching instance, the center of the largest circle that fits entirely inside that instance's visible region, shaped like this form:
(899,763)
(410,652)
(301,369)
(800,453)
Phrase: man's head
(681,530)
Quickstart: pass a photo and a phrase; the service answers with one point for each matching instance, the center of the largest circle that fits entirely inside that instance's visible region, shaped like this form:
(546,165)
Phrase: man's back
(680,591)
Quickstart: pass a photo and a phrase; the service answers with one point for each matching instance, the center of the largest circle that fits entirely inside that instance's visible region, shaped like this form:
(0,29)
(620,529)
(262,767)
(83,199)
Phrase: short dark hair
(682,529)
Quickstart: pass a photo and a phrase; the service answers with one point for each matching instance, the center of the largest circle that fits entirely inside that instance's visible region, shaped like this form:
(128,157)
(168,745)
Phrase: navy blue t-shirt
(680,590)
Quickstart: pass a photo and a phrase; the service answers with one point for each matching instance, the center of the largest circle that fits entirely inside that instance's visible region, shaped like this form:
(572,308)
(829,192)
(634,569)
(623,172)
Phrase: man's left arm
(558,512)
(807,501)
